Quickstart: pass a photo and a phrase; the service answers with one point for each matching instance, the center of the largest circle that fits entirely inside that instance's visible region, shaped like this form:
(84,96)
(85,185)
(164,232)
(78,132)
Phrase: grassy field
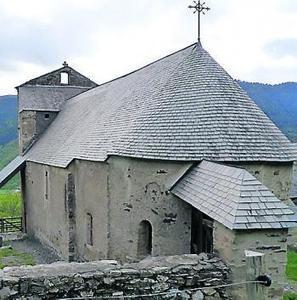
(292,266)
(7,153)
(291,273)
(10,204)
(290,296)
(10,257)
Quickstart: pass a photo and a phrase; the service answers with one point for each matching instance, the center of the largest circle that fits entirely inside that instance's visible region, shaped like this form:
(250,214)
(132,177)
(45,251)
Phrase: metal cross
(199,8)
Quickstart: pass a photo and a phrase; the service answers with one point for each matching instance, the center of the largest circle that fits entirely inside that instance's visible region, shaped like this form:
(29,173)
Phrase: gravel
(41,253)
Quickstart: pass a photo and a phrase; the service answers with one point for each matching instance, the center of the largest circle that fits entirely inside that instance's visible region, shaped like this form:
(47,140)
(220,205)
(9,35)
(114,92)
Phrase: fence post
(1,225)
(255,266)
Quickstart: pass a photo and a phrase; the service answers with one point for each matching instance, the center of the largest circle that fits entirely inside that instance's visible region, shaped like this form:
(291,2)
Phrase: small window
(46,116)
(89,229)
(145,239)
(64,78)
(46,189)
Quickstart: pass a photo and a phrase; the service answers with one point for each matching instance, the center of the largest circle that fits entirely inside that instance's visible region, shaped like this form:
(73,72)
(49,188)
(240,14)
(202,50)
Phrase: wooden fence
(8,225)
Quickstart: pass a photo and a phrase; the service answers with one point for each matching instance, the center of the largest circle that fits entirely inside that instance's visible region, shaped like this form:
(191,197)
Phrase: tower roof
(183,107)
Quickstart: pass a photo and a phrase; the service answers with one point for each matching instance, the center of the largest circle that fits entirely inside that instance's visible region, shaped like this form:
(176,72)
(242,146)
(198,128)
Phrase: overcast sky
(254,40)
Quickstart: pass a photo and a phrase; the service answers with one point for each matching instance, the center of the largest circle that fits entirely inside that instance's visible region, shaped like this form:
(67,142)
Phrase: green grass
(291,270)
(10,204)
(7,153)
(290,296)
(11,257)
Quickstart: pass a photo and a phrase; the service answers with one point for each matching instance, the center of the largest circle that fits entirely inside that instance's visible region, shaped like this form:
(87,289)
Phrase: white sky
(255,40)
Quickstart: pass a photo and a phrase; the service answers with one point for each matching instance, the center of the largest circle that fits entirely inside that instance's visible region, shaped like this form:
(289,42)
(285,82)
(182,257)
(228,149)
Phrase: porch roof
(233,197)
(11,169)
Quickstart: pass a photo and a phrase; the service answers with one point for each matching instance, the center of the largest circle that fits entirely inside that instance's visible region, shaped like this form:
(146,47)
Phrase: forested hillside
(278,101)
(8,119)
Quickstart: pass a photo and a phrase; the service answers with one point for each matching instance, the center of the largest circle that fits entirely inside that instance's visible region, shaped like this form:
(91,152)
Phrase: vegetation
(8,119)
(291,272)
(10,257)
(278,101)
(290,296)
(292,266)
(7,153)
(10,204)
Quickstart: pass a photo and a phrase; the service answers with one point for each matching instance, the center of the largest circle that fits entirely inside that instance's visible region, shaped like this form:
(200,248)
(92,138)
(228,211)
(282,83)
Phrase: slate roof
(182,107)
(11,169)
(46,98)
(233,197)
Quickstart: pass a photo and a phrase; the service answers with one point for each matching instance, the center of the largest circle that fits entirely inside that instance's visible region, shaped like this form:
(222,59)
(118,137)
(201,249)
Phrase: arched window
(145,239)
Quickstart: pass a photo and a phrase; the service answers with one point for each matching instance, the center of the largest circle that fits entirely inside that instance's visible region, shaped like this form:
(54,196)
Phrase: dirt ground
(41,254)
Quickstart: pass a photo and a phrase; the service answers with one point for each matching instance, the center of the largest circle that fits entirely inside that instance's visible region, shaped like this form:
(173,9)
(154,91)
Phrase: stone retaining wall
(107,278)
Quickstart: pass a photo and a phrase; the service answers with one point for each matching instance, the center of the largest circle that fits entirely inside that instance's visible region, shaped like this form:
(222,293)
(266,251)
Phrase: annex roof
(182,107)
(233,197)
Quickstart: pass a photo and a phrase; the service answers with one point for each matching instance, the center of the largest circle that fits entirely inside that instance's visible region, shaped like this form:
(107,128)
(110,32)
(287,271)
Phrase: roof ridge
(145,66)
(239,196)
(56,70)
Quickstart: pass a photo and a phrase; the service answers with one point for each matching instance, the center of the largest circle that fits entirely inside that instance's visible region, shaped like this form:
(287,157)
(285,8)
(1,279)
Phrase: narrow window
(46,196)
(46,116)
(89,229)
(64,78)
(145,239)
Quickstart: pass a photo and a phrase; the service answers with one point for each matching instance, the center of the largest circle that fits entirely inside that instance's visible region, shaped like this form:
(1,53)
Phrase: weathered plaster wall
(92,197)
(139,190)
(231,246)
(31,125)
(47,219)
(168,275)
(119,195)
(276,176)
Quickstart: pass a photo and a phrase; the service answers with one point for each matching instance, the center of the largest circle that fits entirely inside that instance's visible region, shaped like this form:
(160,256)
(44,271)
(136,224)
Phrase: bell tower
(42,98)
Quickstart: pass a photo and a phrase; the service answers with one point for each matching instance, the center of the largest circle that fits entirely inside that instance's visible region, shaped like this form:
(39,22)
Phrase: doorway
(202,233)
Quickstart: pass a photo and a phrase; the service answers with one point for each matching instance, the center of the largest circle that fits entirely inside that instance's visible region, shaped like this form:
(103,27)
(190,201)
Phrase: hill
(278,101)
(7,153)
(8,119)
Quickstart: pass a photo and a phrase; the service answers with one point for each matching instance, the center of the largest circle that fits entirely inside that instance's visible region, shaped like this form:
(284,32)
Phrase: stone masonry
(171,276)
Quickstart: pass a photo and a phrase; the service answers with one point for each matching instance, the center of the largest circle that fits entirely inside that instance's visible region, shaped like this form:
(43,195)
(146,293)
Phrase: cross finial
(199,8)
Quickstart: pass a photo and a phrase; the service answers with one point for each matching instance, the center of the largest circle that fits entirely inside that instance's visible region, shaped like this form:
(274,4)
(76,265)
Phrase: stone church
(172,158)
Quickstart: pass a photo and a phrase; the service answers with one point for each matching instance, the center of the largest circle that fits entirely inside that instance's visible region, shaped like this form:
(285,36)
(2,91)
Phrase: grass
(290,296)
(10,257)
(10,204)
(7,153)
(291,270)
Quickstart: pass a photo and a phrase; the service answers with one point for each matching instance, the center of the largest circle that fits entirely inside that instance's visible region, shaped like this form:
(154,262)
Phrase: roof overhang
(12,169)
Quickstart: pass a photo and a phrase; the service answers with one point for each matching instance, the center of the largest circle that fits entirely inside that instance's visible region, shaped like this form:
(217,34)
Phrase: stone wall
(231,246)
(139,191)
(54,79)
(32,124)
(47,217)
(169,275)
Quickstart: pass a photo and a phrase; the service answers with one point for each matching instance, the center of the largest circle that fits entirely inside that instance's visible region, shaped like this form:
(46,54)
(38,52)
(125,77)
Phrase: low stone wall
(174,275)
